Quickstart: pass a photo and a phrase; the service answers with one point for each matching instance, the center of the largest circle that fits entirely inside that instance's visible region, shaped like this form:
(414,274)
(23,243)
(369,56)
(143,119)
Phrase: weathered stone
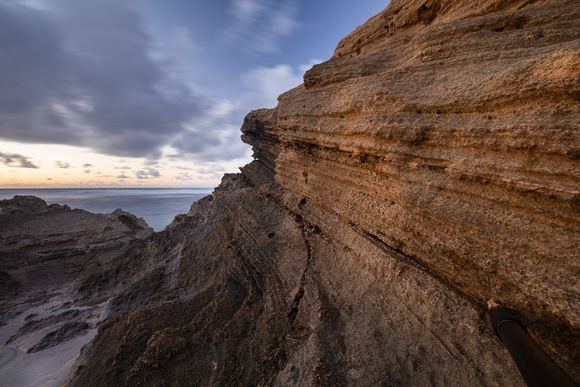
(427,169)
(67,331)
(447,132)
(45,246)
(50,252)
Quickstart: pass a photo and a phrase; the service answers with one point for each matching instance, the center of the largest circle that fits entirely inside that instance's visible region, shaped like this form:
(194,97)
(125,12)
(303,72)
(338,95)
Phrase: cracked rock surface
(428,168)
(58,269)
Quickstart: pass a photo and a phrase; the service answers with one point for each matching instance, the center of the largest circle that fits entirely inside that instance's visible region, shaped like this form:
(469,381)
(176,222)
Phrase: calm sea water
(158,206)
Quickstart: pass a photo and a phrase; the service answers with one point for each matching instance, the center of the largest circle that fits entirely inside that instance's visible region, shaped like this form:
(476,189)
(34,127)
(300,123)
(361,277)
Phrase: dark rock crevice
(426,170)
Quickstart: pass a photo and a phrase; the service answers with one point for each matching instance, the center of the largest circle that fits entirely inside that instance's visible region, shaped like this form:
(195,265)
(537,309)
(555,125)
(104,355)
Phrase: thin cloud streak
(258,25)
(62,164)
(16,161)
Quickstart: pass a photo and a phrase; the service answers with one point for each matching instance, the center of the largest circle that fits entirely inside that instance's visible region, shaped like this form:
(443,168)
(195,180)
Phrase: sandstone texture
(44,247)
(58,268)
(429,169)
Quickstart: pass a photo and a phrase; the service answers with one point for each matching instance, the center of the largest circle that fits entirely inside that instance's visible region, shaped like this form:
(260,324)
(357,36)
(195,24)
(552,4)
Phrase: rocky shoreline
(428,170)
(55,287)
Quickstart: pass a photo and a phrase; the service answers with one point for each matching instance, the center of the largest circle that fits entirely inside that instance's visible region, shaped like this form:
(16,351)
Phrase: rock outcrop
(43,247)
(446,135)
(428,169)
(58,269)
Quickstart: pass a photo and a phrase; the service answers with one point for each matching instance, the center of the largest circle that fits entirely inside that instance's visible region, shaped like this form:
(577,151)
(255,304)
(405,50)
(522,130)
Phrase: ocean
(158,206)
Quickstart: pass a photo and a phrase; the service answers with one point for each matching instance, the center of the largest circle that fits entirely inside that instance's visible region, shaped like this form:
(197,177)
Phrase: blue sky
(149,92)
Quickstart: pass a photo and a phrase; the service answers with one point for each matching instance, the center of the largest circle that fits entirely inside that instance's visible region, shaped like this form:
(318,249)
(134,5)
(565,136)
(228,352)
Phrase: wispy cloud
(147,173)
(181,45)
(183,176)
(219,128)
(17,161)
(80,73)
(62,164)
(267,83)
(258,25)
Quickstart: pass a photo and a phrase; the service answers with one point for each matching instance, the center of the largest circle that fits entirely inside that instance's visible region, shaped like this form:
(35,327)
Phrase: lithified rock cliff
(429,169)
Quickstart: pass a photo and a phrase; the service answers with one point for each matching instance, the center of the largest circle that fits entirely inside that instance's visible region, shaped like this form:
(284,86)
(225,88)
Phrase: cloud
(210,169)
(183,176)
(87,165)
(214,136)
(267,83)
(258,25)
(84,73)
(80,73)
(181,45)
(61,164)
(151,163)
(148,173)
(123,176)
(16,160)
(217,132)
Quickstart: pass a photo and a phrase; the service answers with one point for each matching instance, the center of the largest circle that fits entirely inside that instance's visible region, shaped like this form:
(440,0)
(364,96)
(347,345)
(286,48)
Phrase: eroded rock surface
(58,268)
(43,247)
(448,132)
(428,168)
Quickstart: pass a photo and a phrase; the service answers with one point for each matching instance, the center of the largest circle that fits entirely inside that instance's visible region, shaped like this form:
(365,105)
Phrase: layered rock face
(49,247)
(445,134)
(428,169)
(58,269)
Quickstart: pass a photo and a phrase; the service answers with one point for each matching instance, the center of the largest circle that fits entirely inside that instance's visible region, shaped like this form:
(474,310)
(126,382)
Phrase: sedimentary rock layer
(58,269)
(44,246)
(430,167)
(449,134)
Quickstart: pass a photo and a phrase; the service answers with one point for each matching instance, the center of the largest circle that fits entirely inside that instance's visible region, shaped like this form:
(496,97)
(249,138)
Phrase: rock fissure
(398,254)
(428,167)
(304,233)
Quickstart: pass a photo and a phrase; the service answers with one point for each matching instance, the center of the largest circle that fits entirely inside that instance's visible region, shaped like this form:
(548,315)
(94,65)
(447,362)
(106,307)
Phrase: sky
(143,93)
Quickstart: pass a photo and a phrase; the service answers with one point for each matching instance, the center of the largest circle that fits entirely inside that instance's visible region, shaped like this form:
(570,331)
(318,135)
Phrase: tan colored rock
(449,133)
(428,168)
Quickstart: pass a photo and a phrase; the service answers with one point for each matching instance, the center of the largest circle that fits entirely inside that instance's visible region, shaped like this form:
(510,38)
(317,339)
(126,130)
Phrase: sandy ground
(49,367)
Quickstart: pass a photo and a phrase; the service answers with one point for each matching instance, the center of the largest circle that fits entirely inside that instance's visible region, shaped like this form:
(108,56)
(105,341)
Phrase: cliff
(45,248)
(428,170)
(58,270)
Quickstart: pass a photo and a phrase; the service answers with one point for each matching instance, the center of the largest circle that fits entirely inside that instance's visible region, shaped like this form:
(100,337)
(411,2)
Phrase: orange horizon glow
(61,166)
